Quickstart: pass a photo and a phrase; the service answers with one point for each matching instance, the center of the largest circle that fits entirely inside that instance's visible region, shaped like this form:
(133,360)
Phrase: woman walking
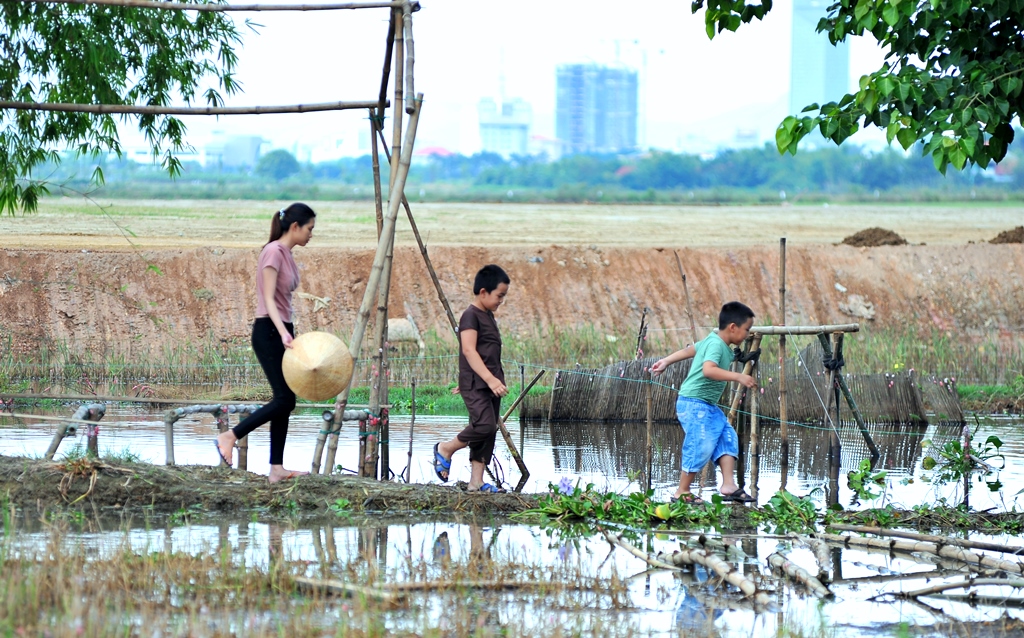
(277,277)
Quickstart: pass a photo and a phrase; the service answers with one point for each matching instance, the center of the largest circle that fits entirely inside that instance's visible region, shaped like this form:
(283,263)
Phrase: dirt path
(65,223)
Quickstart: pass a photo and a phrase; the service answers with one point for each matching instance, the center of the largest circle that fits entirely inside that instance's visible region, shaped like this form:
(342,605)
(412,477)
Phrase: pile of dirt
(874,237)
(1012,236)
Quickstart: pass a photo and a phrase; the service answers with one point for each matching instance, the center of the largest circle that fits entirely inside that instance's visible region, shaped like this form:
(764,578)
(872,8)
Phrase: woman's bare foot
(226,444)
(278,473)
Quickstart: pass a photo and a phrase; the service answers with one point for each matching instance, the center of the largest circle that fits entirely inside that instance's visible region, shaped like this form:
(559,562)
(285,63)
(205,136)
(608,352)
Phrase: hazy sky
(693,92)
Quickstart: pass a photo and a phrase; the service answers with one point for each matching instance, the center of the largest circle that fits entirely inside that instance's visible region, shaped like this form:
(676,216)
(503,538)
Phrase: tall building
(504,130)
(596,110)
(819,72)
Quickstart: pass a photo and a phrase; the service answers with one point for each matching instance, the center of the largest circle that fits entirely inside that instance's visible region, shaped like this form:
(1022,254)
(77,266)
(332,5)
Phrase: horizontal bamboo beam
(221,8)
(132,109)
(115,399)
(805,330)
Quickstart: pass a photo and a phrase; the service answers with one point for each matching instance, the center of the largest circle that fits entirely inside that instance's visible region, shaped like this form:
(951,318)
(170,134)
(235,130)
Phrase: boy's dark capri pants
(484,410)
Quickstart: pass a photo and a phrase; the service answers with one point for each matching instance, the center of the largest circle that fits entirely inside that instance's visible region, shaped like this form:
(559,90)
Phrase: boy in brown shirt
(481,379)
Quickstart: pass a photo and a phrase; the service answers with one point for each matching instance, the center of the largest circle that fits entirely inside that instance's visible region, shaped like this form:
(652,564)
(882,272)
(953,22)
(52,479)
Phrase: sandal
(441,464)
(739,496)
(487,488)
(687,498)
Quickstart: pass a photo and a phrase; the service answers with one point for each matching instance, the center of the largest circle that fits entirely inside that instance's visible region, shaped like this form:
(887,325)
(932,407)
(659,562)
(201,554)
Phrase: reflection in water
(586,594)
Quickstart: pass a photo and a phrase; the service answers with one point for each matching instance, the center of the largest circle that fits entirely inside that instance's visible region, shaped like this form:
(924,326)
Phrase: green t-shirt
(696,385)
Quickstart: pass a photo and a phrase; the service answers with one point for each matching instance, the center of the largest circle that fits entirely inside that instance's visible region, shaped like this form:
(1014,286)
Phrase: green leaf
(890,15)
(885,86)
(907,137)
(891,130)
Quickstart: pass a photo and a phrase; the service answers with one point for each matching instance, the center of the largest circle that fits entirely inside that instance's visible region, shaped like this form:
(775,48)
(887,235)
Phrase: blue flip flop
(487,488)
(441,464)
(222,457)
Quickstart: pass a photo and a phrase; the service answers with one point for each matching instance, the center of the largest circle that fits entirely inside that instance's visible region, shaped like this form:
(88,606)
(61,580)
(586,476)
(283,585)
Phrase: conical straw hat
(318,366)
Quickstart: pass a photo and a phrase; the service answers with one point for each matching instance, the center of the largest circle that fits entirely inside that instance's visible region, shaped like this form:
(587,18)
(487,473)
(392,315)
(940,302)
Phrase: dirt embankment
(122,302)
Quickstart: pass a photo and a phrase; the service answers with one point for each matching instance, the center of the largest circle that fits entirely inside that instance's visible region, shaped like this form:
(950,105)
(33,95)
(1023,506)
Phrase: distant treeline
(757,174)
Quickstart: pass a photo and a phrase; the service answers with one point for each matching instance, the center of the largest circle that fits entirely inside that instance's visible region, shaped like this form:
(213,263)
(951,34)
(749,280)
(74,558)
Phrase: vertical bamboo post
(783,425)
(755,439)
(396,111)
(516,456)
(835,446)
(686,291)
(412,425)
(410,59)
(356,342)
(169,418)
(649,464)
(970,462)
(379,377)
(522,384)
(243,446)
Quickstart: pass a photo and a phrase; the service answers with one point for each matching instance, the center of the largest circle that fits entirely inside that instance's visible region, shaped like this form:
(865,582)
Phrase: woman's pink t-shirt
(276,255)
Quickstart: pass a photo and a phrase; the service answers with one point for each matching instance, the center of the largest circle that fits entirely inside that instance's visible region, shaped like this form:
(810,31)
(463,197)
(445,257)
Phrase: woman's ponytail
(283,219)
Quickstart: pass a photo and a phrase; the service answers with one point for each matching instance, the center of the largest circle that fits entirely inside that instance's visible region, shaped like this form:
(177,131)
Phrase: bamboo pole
(945,551)
(115,399)
(930,538)
(396,113)
(686,291)
(410,59)
(423,251)
(799,574)
(169,419)
(726,571)
(755,439)
(385,74)
(784,330)
(243,446)
(835,446)
(222,8)
(649,451)
(356,342)
(525,473)
(844,388)
(783,426)
(1015,583)
(339,588)
(967,475)
(412,425)
(136,109)
(87,414)
(748,369)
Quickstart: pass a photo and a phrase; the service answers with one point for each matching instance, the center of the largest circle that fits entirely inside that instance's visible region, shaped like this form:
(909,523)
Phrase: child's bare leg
(451,447)
(476,478)
(728,465)
(685,480)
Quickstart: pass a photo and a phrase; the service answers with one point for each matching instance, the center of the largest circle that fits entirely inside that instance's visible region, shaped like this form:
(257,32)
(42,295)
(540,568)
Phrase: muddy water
(607,455)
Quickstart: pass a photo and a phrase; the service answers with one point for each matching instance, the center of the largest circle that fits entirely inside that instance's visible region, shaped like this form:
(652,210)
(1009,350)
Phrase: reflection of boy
(709,437)
(481,379)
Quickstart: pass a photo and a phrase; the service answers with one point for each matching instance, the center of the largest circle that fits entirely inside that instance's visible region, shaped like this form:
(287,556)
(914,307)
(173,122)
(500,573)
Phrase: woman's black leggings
(266,343)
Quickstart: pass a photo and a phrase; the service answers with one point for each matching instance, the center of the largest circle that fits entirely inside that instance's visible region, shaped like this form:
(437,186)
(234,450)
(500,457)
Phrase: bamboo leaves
(91,54)
(951,84)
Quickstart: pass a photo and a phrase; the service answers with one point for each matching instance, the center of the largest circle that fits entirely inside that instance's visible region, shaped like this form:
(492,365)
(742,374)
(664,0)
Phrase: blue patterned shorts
(708,433)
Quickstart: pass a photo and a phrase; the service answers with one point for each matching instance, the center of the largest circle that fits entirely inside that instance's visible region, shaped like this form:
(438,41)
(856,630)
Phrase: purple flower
(565,486)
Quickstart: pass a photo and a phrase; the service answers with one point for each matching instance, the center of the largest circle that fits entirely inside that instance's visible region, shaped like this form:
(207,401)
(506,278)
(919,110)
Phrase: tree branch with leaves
(91,54)
(952,80)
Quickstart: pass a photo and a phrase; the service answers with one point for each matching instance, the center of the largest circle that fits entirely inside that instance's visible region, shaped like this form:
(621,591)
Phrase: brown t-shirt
(488,346)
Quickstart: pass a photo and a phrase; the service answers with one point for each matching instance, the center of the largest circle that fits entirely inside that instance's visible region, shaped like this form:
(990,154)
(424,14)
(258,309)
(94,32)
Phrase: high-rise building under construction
(596,108)
(819,72)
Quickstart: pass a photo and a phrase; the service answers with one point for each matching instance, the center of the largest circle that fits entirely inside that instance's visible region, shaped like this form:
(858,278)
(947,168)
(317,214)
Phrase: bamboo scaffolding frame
(784,330)
(133,109)
(369,295)
(442,297)
(223,8)
(88,414)
(858,417)
(410,59)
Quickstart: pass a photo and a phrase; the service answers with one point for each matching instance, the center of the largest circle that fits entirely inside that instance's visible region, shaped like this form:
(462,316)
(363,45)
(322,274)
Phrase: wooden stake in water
(412,425)
(686,291)
(783,426)
(650,433)
(508,437)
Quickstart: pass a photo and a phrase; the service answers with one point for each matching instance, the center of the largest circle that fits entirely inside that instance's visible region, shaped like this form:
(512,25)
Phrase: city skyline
(694,95)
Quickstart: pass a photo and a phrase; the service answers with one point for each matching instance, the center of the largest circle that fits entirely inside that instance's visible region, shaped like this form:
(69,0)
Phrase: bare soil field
(125,225)
(138,276)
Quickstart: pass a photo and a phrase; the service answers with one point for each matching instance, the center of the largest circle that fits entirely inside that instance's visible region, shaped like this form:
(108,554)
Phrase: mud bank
(128,302)
(166,489)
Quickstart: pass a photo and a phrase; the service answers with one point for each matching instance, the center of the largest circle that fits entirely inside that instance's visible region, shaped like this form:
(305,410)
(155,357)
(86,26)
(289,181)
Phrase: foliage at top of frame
(92,54)
(952,80)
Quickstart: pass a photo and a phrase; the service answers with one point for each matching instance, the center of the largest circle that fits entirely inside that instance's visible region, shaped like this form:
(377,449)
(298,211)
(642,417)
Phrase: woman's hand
(286,339)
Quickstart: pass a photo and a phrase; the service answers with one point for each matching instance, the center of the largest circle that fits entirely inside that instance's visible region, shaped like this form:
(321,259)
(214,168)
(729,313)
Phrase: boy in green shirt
(709,437)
